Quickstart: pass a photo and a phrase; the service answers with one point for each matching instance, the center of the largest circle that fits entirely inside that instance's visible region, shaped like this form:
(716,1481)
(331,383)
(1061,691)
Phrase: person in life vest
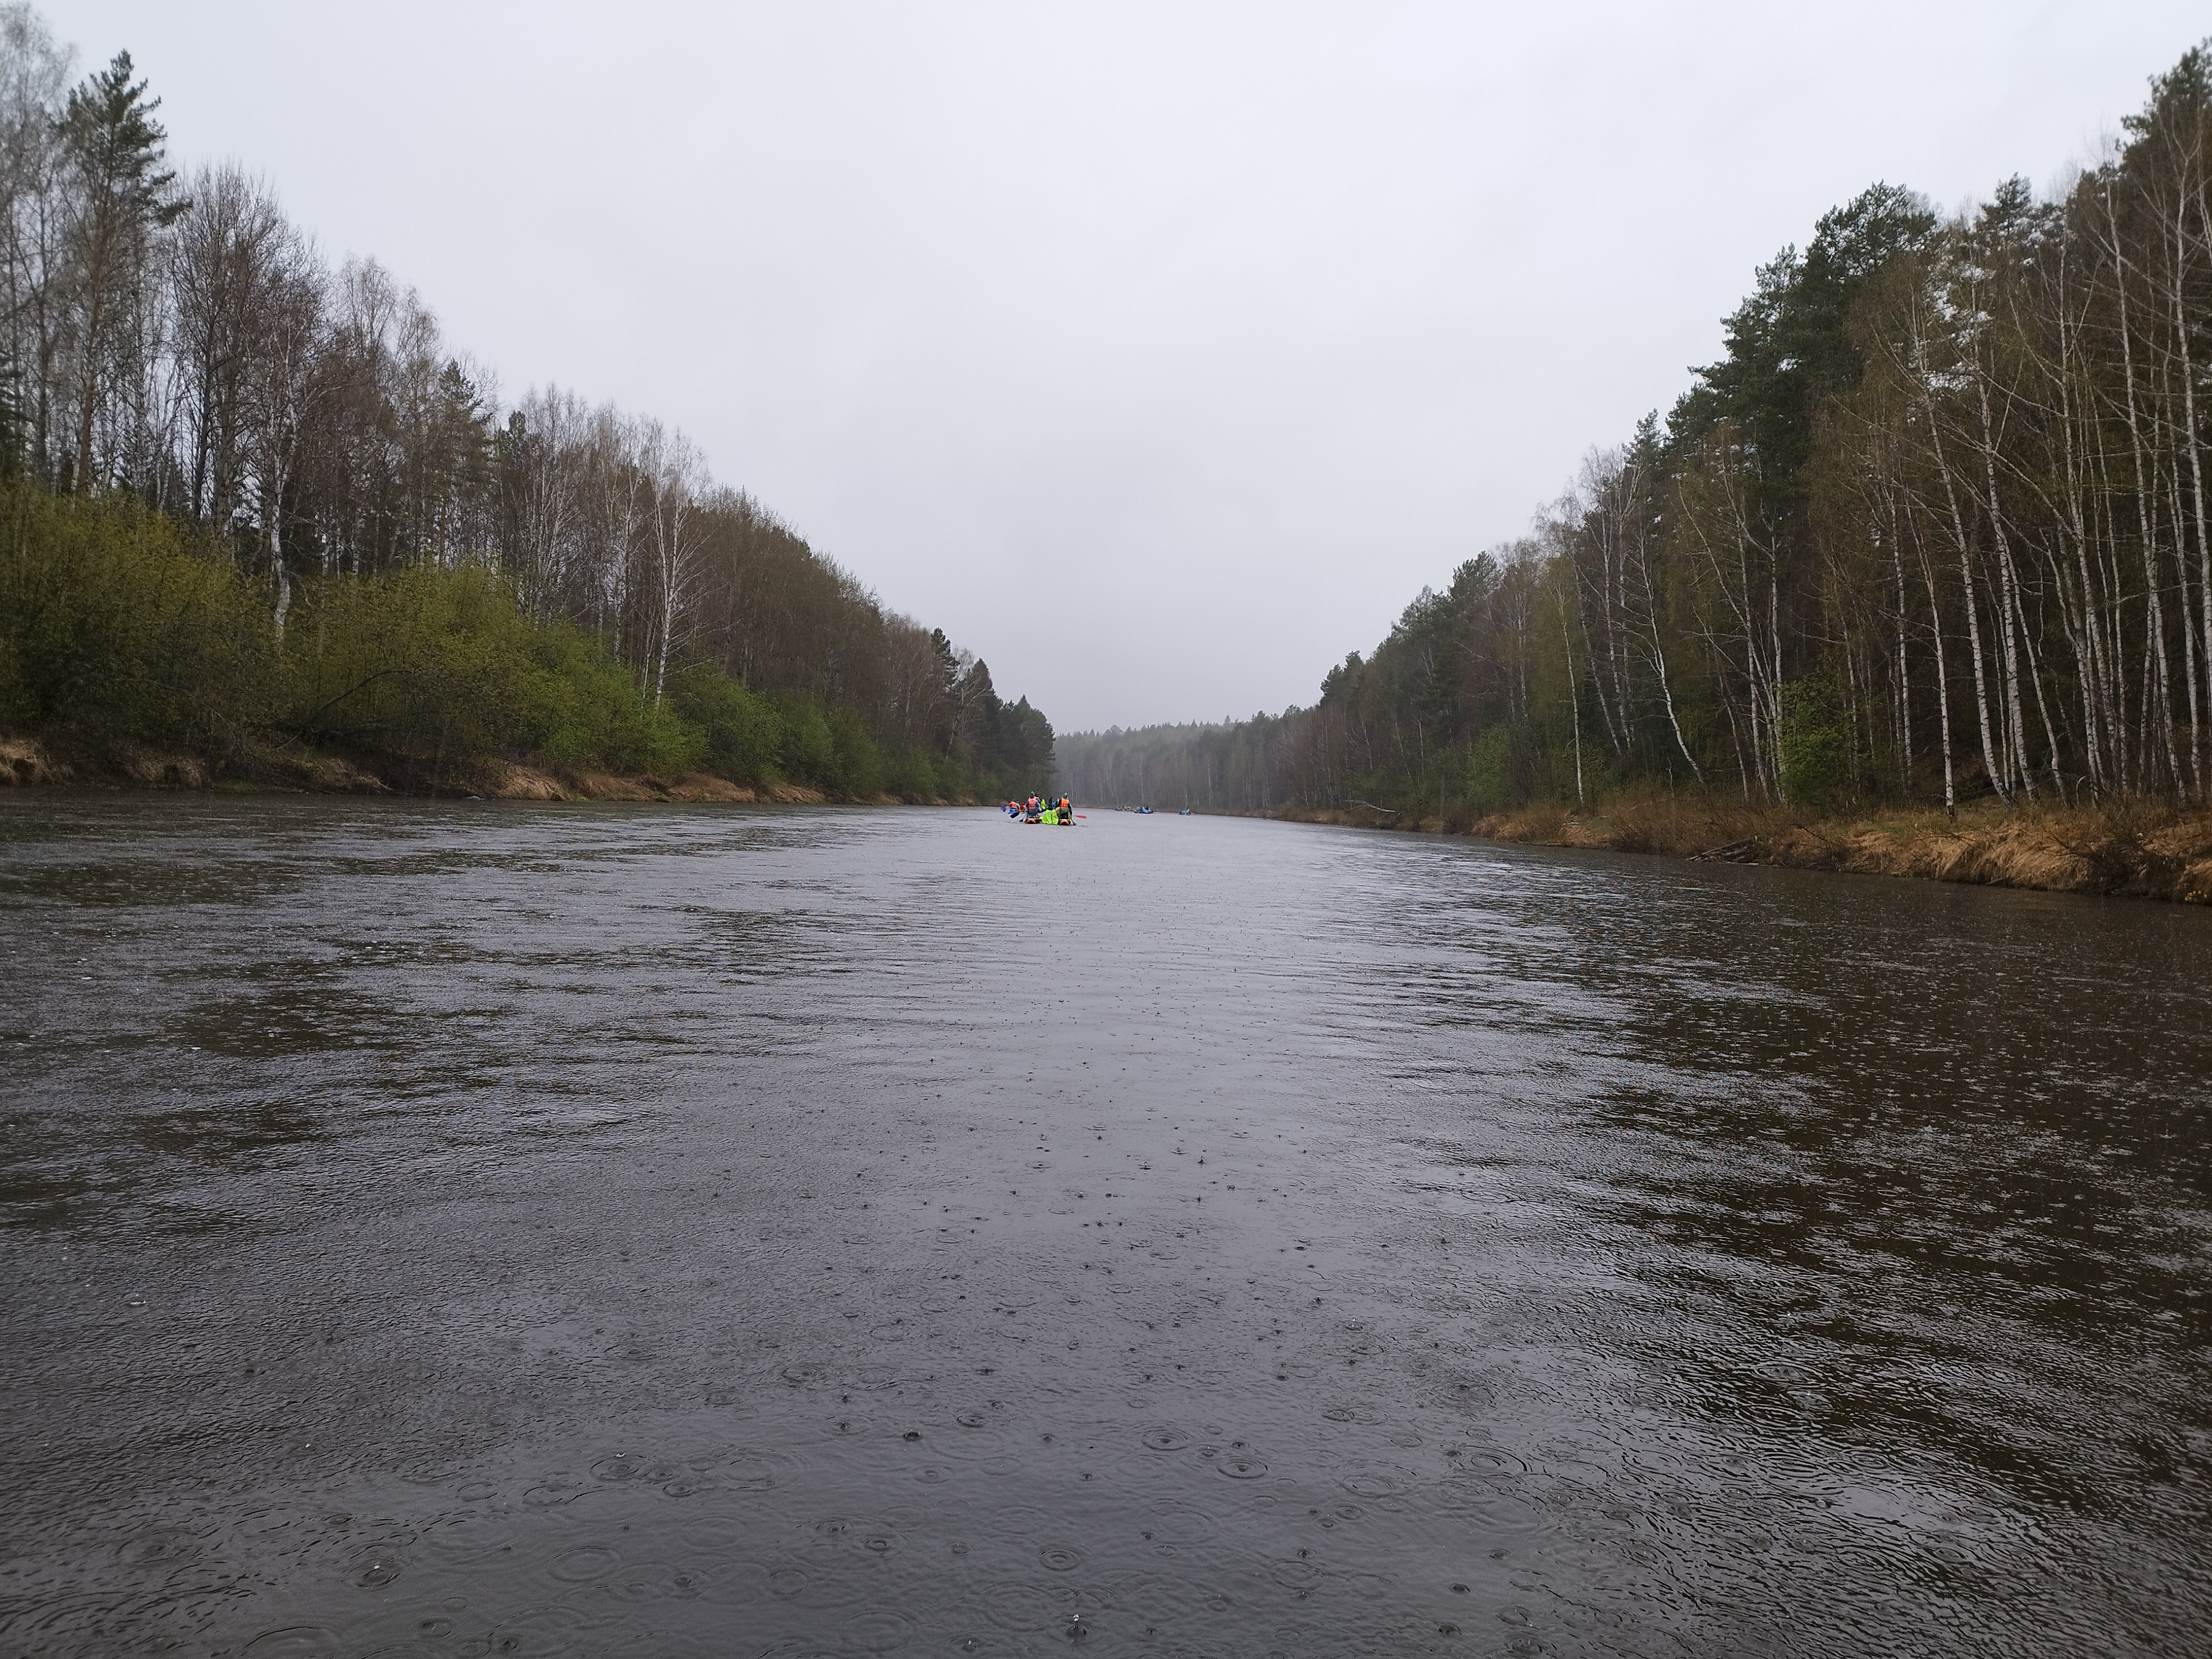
(1067,810)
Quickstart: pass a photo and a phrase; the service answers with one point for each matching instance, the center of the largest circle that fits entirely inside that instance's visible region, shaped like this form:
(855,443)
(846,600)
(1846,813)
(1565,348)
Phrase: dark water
(448,1231)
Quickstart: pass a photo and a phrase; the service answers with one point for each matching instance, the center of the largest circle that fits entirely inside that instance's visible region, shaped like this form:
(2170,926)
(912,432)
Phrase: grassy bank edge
(24,763)
(2128,850)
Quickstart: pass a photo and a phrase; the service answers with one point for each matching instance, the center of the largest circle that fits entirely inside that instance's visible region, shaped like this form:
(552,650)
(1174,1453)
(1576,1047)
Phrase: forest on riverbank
(1933,534)
(259,519)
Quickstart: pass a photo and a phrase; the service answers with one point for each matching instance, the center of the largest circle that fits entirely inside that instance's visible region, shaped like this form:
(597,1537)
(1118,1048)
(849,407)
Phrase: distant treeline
(1221,766)
(1936,526)
(251,501)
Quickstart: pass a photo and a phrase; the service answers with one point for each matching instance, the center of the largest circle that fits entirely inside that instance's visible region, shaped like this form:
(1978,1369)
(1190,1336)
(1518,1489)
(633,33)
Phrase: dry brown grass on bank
(330,775)
(23,763)
(2139,850)
(166,771)
(525,783)
(1684,826)
(529,783)
(1357,816)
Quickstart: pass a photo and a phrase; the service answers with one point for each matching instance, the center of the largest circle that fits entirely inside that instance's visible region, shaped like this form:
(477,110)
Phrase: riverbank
(26,764)
(2131,851)
(2136,851)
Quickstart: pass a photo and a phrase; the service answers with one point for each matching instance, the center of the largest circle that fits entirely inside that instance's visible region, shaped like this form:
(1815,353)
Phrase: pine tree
(116,149)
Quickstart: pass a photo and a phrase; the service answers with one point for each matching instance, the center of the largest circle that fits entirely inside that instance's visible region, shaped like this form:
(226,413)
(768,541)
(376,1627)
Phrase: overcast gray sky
(1158,353)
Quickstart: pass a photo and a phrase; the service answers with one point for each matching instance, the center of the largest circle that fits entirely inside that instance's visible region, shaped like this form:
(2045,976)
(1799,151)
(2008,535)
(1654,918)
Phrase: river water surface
(464,1230)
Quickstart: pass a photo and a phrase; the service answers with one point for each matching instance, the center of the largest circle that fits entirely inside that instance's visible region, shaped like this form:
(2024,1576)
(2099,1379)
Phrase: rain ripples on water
(471,1230)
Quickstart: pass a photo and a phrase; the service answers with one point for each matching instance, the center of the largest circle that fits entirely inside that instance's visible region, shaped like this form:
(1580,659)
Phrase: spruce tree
(116,149)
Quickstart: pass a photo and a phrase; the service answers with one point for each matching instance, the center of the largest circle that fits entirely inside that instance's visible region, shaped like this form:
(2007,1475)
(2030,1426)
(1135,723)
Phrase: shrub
(1816,749)
(744,734)
(1489,771)
(859,768)
(112,632)
(441,666)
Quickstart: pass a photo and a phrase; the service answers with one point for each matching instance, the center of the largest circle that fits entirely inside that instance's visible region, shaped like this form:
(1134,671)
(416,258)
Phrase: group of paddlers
(1041,809)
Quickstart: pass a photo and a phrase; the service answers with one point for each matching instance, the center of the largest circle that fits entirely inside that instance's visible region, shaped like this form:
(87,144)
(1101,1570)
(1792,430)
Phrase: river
(467,1229)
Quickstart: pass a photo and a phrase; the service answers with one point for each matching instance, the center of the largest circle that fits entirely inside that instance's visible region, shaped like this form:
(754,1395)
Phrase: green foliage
(587,711)
(857,768)
(810,749)
(1488,771)
(115,634)
(111,632)
(441,666)
(112,136)
(1018,758)
(1816,744)
(744,734)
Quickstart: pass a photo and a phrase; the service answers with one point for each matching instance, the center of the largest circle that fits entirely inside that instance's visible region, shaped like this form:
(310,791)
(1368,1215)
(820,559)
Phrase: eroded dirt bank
(24,763)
